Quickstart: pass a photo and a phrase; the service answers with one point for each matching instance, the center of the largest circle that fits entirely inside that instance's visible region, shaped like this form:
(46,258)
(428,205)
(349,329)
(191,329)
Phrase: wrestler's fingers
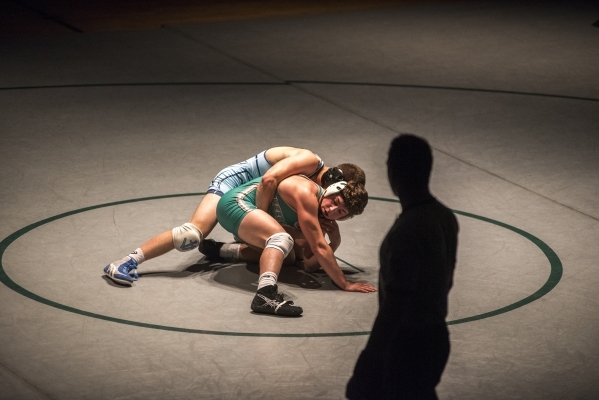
(366,288)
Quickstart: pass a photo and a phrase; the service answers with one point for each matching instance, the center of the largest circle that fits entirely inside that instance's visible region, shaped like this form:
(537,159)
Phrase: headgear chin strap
(335,188)
(332,175)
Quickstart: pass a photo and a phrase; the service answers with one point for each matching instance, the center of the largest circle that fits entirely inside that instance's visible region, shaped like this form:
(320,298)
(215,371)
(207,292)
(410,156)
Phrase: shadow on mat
(244,276)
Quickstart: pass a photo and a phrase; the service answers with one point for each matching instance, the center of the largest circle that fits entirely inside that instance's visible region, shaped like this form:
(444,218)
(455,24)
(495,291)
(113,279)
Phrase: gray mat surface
(507,93)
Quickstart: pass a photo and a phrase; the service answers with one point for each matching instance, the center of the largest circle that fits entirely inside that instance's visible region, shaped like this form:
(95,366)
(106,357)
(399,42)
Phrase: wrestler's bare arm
(301,194)
(331,229)
(287,161)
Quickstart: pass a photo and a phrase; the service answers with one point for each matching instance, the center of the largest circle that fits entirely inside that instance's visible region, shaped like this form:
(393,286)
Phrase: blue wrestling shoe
(120,271)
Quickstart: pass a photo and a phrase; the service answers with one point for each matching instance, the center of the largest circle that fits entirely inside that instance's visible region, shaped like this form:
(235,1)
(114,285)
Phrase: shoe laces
(269,302)
(276,302)
(132,266)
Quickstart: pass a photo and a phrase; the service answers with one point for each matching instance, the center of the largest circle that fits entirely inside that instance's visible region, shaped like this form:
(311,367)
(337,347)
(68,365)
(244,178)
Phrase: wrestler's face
(333,207)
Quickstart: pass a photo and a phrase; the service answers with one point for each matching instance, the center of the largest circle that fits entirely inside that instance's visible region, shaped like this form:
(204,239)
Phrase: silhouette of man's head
(409,165)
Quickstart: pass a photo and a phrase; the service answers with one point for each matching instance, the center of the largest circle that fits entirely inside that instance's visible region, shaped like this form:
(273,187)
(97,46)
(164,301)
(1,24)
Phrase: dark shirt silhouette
(409,344)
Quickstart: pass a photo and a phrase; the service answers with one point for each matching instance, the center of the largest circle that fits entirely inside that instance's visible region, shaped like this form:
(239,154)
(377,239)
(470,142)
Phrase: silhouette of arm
(396,302)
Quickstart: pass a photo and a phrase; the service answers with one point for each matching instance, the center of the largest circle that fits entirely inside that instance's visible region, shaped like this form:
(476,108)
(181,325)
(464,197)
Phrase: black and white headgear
(335,188)
(332,175)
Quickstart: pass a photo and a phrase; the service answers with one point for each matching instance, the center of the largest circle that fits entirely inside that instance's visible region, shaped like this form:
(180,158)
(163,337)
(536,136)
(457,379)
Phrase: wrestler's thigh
(204,217)
(257,226)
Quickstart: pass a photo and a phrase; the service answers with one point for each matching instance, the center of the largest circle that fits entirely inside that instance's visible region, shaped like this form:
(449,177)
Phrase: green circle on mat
(552,281)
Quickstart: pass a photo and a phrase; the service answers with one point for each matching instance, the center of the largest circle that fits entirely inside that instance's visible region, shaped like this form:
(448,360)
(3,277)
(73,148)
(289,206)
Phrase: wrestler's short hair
(355,197)
(351,172)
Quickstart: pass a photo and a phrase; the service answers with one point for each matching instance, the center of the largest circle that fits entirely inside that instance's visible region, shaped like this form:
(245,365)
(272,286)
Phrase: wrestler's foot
(269,301)
(211,249)
(120,271)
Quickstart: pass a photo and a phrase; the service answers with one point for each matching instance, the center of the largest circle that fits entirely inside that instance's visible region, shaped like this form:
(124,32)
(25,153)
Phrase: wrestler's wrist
(346,285)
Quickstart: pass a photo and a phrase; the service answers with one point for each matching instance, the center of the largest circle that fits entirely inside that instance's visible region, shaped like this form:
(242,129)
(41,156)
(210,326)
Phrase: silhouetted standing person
(409,344)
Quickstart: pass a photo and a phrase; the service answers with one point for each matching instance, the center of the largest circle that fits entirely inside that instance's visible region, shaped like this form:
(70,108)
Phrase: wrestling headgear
(334,188)
(332,175)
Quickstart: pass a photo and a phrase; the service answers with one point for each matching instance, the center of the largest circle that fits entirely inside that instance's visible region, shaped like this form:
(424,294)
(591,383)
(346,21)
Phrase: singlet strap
(320,165)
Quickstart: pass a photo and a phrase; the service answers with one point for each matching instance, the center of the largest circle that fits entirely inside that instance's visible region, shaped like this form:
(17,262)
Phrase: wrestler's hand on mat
(359,287)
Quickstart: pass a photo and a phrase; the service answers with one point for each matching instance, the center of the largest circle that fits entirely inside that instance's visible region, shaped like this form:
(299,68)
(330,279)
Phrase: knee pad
(186,237)
(280,241)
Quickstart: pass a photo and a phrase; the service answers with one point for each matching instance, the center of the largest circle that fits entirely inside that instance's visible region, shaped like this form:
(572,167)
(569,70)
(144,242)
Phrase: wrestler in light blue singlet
(237,174)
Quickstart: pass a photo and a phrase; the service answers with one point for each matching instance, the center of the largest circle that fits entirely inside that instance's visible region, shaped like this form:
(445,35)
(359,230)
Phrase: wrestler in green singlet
(237,203)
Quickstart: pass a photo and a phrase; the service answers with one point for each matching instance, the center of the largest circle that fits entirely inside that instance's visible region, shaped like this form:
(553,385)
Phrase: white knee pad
(280,241)
(186,237)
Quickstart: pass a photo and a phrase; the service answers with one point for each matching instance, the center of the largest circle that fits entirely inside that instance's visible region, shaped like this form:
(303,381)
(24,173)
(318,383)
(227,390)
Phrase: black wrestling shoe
(211,249)
(269,301)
